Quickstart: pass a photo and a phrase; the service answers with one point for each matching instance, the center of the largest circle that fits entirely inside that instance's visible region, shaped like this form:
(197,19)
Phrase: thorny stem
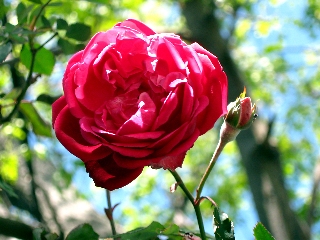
(110,209)
(191,199)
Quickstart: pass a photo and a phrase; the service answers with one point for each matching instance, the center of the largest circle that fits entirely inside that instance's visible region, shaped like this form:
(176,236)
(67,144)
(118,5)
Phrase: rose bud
(241,113)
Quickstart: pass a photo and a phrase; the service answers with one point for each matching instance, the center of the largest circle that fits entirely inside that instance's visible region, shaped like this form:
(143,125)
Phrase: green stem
(110,208)
(213,160)
(191,199)
(24,89)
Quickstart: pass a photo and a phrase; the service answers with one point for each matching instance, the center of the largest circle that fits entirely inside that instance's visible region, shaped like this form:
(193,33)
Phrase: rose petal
(57,106)
(143,119)
(137,25)
(68,133)
(107,174)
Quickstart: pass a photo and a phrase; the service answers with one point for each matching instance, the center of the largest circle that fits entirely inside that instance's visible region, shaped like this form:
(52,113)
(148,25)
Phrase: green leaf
(150,232)
(40,127)
(38,234)
(44,60)
(35,1)
(62,24)
(66,46)
(5,49)
(45,22)
(83,232)
(45,98)
(79,31)
(261,233)
(223,227)
(51,236)
(172,229)
(22,12)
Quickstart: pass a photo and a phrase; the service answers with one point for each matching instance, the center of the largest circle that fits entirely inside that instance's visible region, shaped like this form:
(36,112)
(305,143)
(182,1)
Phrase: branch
(15,229)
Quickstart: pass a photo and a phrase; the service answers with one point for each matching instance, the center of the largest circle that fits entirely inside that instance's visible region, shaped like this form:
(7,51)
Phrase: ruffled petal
(68,132)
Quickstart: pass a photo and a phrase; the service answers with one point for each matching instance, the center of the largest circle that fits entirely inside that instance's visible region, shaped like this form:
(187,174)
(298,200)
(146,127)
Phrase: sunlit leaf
(79,31)
(44,60)
(261,233)
(5,49)
(40,127)
(9,166)
(83,232)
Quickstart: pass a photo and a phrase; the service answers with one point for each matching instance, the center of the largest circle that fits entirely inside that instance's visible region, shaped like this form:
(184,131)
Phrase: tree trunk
(261,161)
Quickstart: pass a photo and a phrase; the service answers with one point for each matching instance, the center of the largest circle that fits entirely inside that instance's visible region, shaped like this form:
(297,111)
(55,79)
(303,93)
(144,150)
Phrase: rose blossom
(134,98)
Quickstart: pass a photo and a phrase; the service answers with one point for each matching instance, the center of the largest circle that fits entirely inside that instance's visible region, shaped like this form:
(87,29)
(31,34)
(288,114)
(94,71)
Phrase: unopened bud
(241,113)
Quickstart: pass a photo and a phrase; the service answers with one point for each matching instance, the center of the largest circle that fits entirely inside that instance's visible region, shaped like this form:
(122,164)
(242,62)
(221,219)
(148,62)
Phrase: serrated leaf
(83,232)
(223,226)
(62,24)
(44,60)
(40,127)
(5,49)
(79,31)
(261,233)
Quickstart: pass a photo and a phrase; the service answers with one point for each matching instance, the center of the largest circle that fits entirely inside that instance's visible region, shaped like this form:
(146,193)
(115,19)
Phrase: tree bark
(261,161)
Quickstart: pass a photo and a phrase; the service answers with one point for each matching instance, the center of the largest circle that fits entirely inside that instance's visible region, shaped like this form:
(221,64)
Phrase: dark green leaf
(44,61)
(66,46)
(6,187)
(79,31)
(62,24)
(9,28)
(45,22)
(5,49)
(83,232)
(261,233)
(40,127)
(223,227)
(22,12)
(45,98)
(35,1)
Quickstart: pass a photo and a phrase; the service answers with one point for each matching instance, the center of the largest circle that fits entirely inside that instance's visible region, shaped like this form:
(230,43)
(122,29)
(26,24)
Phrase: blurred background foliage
(275,46)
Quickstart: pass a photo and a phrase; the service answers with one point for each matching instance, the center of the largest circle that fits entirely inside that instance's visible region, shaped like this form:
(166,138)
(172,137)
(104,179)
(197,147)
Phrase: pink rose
(134,98)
